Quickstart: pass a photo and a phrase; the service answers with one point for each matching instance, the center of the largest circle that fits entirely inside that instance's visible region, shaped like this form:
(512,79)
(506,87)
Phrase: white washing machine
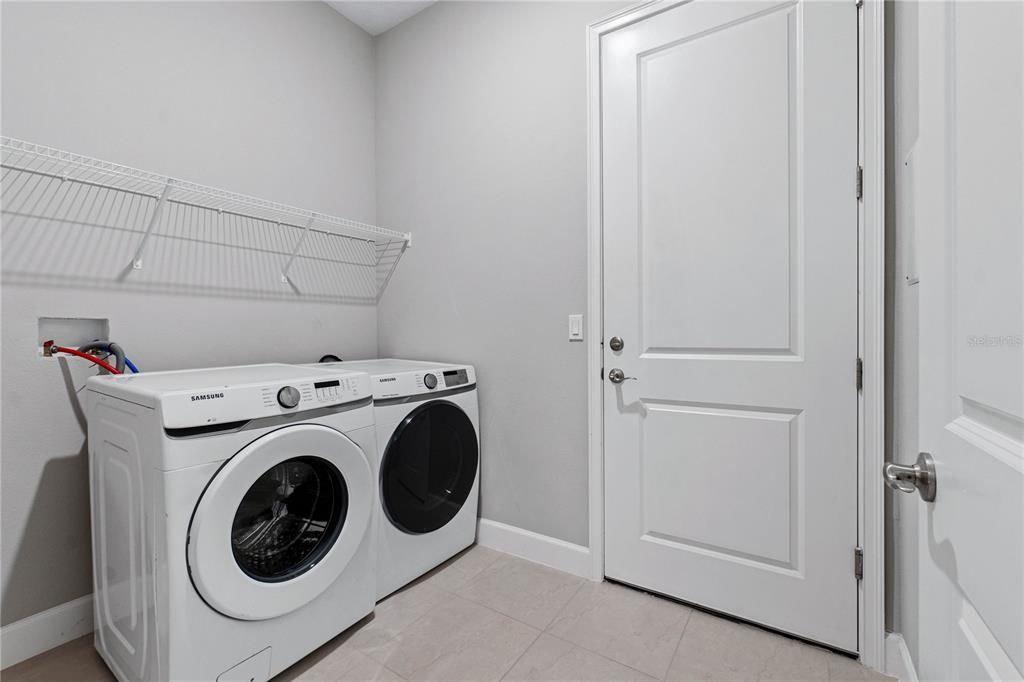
(233,517)
(429,469)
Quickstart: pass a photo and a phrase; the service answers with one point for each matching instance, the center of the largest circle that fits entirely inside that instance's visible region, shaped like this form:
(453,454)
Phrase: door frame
(871,309)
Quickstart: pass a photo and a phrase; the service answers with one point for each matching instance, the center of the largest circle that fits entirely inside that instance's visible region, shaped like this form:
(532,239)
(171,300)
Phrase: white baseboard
(41,632)
(898,662)
(541,549)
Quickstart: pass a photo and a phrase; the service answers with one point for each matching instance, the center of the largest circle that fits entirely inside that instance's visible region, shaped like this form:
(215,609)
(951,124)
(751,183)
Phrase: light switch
(576,327)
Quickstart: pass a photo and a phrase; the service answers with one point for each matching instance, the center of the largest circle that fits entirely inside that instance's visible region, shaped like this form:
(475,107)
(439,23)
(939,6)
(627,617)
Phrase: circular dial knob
(288,396)
(430,381)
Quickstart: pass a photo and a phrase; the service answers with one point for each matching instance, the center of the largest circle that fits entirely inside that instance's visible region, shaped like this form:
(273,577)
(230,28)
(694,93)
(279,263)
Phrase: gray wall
(271,99)
(481,145)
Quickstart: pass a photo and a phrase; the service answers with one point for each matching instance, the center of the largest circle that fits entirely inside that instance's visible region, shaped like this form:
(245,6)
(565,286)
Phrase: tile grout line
(689,609)
(497,612)
(675,652)
(425,580)
(480,574)
(398,635)
(600,655)
(544,629)
(520,656)
(539,631)
(568,601)
(393,671)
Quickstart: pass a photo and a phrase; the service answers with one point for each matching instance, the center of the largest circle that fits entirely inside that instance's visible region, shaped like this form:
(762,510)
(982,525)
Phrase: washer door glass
(289,519)
(429,467)
(281,520)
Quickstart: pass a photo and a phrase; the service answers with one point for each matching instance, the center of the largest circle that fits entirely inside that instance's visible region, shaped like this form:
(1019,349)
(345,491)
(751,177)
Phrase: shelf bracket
(295,252)
(157,210)
(405,245)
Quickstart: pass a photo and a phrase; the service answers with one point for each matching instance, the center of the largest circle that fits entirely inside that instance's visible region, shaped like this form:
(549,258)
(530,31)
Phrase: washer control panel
(314,393)
(332,390)
(187,398)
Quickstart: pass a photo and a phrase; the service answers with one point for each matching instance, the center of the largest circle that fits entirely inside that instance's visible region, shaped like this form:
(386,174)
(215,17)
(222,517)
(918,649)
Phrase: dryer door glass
(289,519)
(429,467)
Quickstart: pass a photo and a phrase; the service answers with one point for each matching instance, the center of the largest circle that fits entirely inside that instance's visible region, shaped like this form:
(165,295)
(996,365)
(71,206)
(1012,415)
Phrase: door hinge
(860,374)
(858,563)
(860,183)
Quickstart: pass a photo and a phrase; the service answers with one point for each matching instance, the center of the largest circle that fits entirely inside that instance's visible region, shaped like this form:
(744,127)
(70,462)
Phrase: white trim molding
(871,441)
(40,632)
(871,224)
(898,662)
(540,549)
(595,309)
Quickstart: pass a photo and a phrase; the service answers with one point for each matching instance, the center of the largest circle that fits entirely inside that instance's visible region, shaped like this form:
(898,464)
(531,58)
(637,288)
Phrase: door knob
(617,376)
(920,476)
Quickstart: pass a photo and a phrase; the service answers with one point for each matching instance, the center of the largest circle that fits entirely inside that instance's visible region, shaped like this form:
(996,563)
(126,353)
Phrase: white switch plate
(576,327)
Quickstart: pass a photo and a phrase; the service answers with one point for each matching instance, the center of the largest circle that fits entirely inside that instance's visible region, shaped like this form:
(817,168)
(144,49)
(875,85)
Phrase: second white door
(729,154)
(967,170)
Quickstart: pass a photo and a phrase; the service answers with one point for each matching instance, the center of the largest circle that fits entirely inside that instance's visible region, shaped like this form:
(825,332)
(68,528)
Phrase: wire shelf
(70,219)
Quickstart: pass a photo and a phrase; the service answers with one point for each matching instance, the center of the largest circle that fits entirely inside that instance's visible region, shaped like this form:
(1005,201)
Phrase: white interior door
(969,180)
(729,150)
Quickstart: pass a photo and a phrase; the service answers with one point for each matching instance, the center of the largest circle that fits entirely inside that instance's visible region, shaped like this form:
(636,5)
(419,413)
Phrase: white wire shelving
(72,220)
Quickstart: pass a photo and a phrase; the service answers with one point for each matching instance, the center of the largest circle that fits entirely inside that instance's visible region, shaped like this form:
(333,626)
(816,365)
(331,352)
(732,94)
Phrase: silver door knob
(920,477)
(617,376)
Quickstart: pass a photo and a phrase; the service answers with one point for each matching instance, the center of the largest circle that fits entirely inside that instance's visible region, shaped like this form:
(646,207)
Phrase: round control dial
(288,396)
(430,381)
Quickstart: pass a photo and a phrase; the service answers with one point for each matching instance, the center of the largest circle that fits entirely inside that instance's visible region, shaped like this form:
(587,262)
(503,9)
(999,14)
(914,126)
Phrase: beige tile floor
(489,616)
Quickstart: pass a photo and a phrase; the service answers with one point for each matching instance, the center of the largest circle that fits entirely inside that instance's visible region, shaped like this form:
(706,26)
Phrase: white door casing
(968,175)
(730,241)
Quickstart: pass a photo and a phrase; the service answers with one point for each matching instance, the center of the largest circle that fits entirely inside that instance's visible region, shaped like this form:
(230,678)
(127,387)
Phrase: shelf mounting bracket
(157,210)
(295,252)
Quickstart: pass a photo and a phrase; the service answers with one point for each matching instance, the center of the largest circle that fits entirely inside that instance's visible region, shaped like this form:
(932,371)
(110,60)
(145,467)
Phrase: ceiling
(381,15)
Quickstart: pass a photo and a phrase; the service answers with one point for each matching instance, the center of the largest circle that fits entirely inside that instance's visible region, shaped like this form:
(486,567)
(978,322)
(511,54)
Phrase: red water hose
(74,351)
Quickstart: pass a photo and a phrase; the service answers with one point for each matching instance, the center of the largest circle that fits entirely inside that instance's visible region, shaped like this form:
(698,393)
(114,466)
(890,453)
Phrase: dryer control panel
(403,384)
(394,378)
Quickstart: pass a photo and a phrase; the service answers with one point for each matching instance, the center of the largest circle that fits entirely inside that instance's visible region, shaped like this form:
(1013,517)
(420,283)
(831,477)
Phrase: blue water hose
(131,365)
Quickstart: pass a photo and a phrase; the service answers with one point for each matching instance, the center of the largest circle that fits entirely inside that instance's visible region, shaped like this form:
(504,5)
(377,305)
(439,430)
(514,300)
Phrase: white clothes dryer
(429,470)
(233,517)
